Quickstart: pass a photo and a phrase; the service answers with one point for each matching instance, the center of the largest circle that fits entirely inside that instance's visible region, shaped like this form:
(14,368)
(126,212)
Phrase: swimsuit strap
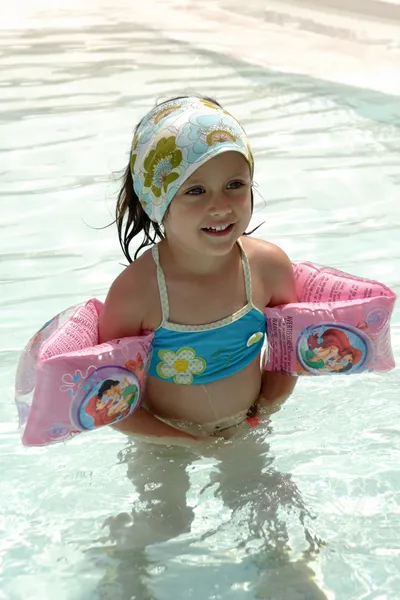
(246,273)
(162,286)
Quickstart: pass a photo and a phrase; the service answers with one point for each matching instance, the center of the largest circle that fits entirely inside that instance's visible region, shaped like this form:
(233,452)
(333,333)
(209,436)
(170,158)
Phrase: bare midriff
(205,403)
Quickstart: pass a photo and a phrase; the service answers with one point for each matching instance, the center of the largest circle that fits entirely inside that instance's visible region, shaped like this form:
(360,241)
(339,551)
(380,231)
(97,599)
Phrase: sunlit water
(308,507)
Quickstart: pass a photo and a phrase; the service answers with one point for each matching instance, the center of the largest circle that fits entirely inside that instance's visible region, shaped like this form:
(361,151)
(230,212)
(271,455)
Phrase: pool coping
(287,49)
(382,9)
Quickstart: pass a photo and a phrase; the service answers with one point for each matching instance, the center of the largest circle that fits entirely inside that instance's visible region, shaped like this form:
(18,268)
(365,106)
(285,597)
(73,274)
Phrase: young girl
(202,288)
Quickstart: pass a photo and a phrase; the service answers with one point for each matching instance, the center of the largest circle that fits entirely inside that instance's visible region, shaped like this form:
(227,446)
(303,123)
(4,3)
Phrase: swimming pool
(308,508)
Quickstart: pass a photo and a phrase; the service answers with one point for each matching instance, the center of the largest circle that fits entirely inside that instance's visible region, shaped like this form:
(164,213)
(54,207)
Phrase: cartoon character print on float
(331,348)
(113,395)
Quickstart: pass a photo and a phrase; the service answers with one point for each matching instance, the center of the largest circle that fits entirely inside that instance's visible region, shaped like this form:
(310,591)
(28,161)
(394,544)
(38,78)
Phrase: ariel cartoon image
(119,397)
(112,402)
(331,351)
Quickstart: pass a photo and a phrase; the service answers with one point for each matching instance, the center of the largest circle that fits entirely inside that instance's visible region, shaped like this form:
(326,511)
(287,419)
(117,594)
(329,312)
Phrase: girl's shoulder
(128,299)
(137,277)
(264,254)
(271,265)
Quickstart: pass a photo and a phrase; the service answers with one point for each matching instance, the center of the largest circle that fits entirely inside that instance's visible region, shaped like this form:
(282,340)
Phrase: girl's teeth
(220,228)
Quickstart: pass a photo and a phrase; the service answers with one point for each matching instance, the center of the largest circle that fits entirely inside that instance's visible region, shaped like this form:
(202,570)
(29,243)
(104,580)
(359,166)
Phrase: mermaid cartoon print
(331,351)
(112,402)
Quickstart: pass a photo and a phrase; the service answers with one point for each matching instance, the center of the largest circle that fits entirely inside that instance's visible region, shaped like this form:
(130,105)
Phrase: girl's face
(217,195)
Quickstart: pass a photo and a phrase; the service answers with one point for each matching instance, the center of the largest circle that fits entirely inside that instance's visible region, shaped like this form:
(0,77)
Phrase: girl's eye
(196,191)
(235,185)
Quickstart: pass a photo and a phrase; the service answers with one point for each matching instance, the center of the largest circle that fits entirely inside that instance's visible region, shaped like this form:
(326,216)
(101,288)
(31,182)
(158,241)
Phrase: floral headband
(173,141)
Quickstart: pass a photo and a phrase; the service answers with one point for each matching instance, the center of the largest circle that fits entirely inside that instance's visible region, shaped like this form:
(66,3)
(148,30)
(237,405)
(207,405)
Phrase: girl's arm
(276,387)
(122,316)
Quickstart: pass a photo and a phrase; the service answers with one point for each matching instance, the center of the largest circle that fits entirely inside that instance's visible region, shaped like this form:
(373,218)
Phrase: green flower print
(217,134)
(214,106)
(209,104)
(134,152)
(159,166)
(251,159)
(165,112)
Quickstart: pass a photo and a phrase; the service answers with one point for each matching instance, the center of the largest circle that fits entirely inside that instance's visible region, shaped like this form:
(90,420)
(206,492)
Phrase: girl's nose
(220,205)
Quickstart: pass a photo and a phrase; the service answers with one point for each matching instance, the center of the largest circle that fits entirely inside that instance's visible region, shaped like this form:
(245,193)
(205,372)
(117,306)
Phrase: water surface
(305,508)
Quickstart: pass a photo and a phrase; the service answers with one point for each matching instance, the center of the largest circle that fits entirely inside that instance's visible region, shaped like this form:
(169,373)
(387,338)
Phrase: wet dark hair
(131,218)
(107,385)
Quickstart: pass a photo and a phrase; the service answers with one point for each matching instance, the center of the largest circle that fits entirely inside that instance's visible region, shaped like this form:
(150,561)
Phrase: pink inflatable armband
(67,383)
(341,324)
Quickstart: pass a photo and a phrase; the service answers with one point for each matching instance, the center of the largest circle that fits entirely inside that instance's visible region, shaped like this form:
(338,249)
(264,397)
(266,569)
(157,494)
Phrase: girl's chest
(199,301)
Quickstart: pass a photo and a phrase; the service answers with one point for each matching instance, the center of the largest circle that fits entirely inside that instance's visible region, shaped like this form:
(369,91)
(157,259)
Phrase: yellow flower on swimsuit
(180,365)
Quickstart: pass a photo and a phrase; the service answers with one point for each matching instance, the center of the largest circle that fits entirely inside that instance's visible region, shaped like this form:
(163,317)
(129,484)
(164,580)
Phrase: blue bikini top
(199,354)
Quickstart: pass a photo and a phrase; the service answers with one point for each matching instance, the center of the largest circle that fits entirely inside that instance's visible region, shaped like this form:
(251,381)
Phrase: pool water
(308,507)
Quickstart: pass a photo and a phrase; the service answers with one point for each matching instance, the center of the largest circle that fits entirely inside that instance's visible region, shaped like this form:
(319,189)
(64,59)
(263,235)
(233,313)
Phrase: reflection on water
(318,491)
(254,500)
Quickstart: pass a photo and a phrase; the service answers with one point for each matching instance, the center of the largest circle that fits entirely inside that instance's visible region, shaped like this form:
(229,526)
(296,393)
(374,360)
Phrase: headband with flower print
(173,141)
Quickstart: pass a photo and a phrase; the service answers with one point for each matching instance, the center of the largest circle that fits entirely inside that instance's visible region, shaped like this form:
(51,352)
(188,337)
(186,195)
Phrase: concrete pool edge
(283,49)
(382,9)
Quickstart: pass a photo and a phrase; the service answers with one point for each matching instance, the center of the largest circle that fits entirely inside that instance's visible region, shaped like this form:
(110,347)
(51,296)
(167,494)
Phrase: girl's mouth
(218,230)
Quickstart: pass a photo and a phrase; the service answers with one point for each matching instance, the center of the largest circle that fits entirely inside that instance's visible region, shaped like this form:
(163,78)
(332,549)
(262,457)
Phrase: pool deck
(358,45)
(388,10)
